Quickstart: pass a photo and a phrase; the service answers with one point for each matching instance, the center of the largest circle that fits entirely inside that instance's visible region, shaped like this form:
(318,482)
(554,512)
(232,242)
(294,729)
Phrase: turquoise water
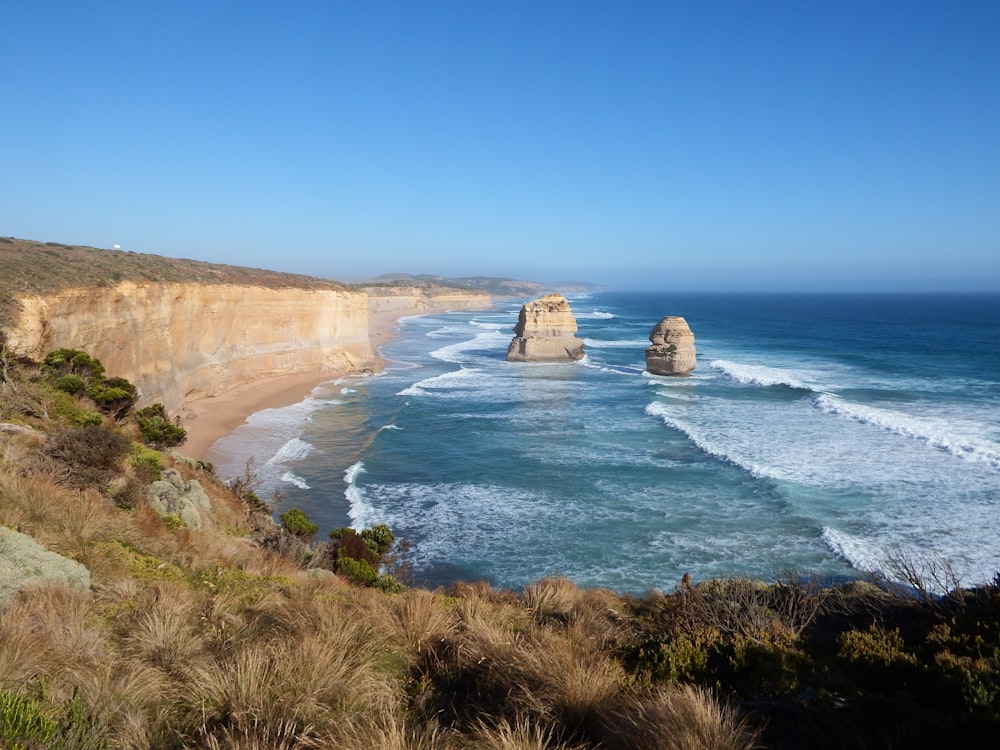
(822,433)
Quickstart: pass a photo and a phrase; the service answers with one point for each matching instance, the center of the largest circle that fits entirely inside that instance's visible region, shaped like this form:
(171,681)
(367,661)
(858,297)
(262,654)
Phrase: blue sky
(690,146)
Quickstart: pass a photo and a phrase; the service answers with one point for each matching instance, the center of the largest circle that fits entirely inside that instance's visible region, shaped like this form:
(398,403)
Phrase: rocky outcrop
(24,563)
(179,342)
(545,332)
(173,496)
(672,351)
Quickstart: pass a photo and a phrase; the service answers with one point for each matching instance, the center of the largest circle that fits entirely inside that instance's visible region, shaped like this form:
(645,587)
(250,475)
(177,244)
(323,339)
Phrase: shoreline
(208,420)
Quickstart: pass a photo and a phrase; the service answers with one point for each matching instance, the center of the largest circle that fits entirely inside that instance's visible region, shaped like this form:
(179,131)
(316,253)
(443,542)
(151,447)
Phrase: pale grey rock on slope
(24,563)
(545,332)
(672,351)
(172,496)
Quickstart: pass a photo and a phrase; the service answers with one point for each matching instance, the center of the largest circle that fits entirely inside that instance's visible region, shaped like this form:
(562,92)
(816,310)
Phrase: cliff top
(38,267)
(31,267)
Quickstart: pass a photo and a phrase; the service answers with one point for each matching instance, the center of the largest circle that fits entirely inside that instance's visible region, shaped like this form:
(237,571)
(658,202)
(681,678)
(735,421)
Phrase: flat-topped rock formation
(672,351)
(545,332)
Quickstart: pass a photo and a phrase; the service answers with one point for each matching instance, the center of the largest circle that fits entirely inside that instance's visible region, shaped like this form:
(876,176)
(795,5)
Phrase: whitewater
(824,434)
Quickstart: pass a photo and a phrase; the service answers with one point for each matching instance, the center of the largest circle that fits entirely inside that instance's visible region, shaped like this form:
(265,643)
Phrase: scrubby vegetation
(247,633)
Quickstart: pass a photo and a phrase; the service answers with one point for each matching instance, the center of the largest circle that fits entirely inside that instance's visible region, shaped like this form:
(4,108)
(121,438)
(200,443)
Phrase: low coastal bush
(294,521)
(157,430)
(89,456)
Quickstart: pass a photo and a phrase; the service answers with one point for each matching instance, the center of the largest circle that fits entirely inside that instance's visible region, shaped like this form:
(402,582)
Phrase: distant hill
(496,286)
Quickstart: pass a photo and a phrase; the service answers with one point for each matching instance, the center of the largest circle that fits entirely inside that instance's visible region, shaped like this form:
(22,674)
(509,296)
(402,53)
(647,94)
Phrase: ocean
(824,434)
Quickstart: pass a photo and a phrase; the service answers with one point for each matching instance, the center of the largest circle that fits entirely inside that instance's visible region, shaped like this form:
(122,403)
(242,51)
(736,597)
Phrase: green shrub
(388,584)
(148,464)
(114,396)
(26,725)
(379,539)
(358,571)
(71,383)
(681,658)
(157,430)
(74,362)
(296,522)
(360,556)
(23,723)
(874,647)
(89,419)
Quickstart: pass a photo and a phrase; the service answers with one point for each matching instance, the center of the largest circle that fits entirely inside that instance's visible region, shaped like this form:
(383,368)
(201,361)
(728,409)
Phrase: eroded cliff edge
(178,342)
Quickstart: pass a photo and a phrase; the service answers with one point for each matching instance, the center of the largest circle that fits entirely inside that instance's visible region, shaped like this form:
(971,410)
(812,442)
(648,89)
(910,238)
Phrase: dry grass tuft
(521,734)
(552,599)
(417,620)
(679,718)
(47,632)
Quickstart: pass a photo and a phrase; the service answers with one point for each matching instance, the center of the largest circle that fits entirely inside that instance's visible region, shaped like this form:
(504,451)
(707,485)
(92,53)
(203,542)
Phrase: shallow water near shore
(821,433)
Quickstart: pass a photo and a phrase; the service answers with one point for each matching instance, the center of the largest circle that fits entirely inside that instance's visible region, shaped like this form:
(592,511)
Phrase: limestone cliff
(672,350)
(181,341)
(545,332)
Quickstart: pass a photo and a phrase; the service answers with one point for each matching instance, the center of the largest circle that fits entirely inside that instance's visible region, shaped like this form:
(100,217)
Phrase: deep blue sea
(822,433)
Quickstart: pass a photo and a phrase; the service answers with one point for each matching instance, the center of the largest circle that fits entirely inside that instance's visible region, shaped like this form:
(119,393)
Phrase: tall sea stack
(545,332)
(672,351)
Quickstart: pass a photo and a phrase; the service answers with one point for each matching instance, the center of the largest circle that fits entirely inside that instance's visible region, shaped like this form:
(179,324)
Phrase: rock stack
(545,332)
(672,351)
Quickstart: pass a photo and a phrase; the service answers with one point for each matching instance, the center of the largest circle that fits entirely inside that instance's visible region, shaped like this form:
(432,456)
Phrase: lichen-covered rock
(672,351)
(24,563)
(545,332)
(172,496)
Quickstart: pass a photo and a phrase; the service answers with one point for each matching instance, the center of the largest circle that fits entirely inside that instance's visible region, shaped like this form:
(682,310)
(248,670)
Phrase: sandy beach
(209,419)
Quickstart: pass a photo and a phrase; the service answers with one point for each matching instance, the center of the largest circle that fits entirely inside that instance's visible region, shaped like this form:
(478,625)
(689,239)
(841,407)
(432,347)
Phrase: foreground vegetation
(240,632)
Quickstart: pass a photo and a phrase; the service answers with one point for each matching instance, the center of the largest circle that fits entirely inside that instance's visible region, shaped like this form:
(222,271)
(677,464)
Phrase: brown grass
(679,718)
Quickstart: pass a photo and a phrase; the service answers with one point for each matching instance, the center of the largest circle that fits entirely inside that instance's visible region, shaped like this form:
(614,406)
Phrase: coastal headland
(211,343)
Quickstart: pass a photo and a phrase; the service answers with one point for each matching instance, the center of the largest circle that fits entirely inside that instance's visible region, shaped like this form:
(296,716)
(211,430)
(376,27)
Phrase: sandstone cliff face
(179,342)
(545,332)
(672,351)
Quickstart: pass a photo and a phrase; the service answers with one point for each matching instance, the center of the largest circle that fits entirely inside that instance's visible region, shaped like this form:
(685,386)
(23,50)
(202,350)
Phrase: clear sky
(754,145)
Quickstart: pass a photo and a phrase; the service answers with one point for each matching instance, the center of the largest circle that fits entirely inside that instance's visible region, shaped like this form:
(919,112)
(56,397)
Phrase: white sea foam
(352,471)
(293,450)
(862,555)
(595,315)
(704,444)
(413,390)
(639,344)
(636,369)
(439,385)
(937,433)
(294,479)
(762,375)
(390,427)
(459,352)
(360,511)
(345,390)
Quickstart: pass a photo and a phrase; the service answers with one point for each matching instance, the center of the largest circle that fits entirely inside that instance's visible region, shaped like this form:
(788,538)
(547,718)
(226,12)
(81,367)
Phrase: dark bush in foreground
(90,456)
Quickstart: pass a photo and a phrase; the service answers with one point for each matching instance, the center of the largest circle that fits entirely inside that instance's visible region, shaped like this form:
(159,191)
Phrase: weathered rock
(545,332)
(672,351)
(24,563)
(172,496)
